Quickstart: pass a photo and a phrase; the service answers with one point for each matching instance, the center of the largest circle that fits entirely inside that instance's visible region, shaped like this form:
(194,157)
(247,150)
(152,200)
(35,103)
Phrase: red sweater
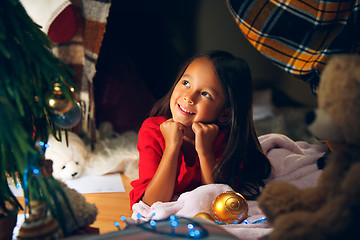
(151,145)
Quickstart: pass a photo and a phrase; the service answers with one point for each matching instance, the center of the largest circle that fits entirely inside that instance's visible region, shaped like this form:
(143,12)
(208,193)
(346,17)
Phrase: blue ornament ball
(67,119)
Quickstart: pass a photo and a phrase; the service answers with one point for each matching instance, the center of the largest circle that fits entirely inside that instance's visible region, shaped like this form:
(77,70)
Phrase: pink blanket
(293,162)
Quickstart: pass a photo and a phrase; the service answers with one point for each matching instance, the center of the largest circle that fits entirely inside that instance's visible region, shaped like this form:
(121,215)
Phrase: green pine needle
(28,71)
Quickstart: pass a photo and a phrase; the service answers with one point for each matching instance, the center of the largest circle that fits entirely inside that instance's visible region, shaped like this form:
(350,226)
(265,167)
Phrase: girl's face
(198,96)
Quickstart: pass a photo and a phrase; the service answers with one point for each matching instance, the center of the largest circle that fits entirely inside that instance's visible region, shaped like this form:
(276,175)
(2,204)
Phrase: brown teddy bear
(331,210)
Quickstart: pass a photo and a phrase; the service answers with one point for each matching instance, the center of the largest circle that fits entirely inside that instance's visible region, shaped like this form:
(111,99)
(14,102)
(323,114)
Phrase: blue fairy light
(138,215)
(174,223)
(190,226)
(116,224)
(197,233)
(152,223)
(123,218)
(36,171)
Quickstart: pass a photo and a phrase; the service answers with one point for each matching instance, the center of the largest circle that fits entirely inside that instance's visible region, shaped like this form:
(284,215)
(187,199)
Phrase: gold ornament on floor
(229,208)
(205,216)
(64,112)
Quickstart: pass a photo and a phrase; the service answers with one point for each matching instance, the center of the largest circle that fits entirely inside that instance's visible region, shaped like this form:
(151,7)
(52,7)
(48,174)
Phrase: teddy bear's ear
(46,167)
(323,126)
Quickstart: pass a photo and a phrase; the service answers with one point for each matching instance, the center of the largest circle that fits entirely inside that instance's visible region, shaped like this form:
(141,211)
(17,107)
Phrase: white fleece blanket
(293,162)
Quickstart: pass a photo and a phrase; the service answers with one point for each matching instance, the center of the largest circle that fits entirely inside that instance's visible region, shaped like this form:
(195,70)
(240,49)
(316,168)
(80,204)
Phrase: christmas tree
(29,76)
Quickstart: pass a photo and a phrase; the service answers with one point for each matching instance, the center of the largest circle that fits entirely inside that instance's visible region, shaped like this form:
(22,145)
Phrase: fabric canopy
(299,35)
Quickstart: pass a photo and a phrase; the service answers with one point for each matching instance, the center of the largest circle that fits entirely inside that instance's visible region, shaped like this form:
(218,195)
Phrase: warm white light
(51,102)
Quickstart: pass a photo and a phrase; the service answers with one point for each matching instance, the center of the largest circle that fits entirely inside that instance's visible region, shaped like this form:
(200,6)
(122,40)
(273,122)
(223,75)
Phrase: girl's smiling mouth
(184,110)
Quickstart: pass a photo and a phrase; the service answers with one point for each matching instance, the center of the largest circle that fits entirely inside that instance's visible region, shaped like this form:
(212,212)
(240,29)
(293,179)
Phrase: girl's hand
(173,132)
(205,135)
(162,185)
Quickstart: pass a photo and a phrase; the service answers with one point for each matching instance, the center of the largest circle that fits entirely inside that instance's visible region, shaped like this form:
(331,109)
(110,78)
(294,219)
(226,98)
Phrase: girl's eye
(206,94)
(186,83)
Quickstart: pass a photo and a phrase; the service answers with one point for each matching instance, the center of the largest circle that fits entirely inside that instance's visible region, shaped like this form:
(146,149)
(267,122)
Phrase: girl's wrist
(173,144)
(172,148)
(207,156)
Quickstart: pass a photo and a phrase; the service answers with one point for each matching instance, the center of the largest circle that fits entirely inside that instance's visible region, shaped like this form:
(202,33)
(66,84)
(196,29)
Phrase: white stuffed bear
(68,161)
(113,153)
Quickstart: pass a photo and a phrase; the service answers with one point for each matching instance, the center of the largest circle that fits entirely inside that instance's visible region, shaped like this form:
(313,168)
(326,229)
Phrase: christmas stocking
(56,17)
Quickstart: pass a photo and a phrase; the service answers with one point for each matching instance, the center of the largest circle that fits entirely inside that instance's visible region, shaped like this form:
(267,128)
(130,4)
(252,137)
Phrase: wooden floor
(111,207)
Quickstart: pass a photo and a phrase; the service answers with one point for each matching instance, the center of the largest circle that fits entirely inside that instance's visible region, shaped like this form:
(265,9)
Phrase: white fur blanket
(293,162)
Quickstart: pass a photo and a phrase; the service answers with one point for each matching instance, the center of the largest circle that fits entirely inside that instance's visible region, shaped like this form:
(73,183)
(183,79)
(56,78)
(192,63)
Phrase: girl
(201,132)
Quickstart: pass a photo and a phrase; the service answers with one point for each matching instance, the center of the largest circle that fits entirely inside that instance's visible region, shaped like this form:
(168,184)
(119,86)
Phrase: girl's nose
(189,100)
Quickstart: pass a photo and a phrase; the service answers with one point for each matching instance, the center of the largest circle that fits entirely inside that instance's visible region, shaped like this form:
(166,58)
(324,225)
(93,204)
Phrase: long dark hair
(243,165)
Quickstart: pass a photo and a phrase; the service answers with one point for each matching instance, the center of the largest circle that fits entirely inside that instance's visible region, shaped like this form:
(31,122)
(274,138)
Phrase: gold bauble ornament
(64,112)
(229,207)
(205,216)
(57,101)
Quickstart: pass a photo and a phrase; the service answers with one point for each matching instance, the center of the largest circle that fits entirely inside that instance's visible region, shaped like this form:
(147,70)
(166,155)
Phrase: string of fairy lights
(31,169)
(170,226)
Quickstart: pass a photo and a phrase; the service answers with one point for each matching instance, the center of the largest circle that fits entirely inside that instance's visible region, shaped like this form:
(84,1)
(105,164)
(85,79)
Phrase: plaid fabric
(81,54)
(300,35)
